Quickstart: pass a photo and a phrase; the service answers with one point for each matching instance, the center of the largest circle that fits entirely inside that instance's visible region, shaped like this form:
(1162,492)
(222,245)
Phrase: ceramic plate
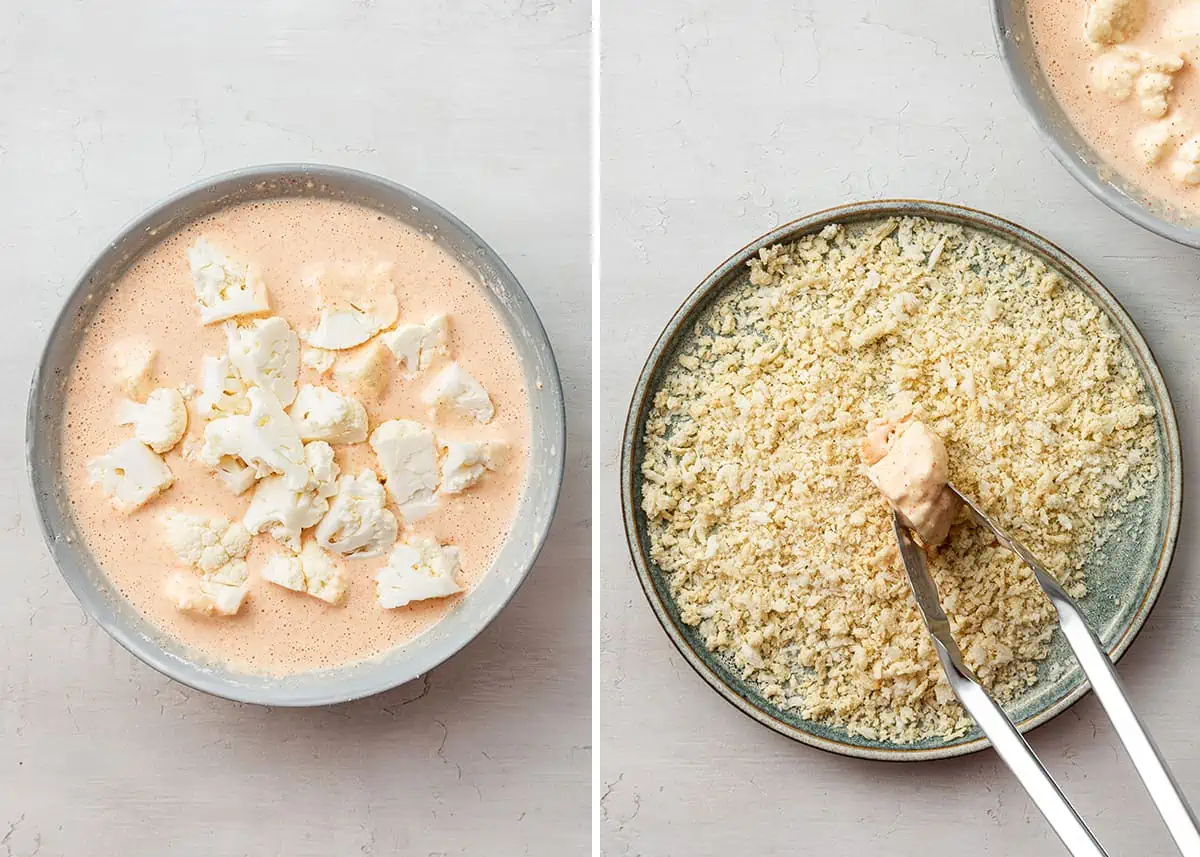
(1122,591)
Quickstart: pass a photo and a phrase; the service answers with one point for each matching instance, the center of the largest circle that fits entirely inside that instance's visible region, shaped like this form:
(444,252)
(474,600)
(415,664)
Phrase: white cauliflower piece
(266,352)
(134,362)
(160,423)
(353,304)
(237,476)
(233,573)
(264,439)
(131,475)
(407,454)
(1115,74)
(366,372)
(285,570)
(224,289)
(1153,141)
(1185,166)
(1165,63)
(191,594)
(284,512)
(417,570)
(311,572)
(320,360)
(358,524)
(1122,71)
(465,462)
(1109,22)
(416,345)
(322,468)
(223,391)
(206,543)
(321,414)
(1152,89)
(456,388)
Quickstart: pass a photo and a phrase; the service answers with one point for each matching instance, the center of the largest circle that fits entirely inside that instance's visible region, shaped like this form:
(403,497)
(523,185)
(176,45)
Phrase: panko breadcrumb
(776,545)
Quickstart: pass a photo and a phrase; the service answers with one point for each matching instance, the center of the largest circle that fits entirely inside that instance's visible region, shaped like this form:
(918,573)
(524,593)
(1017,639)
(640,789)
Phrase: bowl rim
(1085,174)
(698,300)
(146,649)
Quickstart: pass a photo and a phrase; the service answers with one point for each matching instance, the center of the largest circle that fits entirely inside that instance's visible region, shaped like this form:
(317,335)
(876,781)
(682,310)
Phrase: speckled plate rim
(699,300)
(1056,131)
(411,660)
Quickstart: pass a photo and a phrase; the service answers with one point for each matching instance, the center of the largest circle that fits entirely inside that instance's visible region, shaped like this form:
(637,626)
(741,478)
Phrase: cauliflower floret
(322,414)
(465,462)
(1165,63)
(358,524)
(191,594)
(1185,166)
(264,439)
(135,368)
(322,468)
(233,573)
(456,388)
(131,475)
(407,453)
(224,289)
(222,390)
(416,570)
(320,360)
(366,372)
(1109,22)
(416,345)
(267,353)
(160,423)
(1122,71)
(353,304)
(206,543)
(285,570)
(285,513)
(312,572)
(908,464)
(1152,89)
(1155,140)
(1116,74)
(235,474)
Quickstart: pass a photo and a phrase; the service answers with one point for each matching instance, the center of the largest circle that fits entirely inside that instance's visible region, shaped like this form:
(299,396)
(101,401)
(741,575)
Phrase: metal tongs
(1004,736)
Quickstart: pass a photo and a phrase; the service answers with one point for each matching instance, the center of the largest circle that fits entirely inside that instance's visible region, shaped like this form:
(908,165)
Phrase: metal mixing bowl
(1011,23)
(532,520)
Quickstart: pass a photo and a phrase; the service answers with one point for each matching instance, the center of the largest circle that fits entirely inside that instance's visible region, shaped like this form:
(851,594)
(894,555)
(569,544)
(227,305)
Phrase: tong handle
(1020,758)
(1093,658)
(990,717)
(1150,765)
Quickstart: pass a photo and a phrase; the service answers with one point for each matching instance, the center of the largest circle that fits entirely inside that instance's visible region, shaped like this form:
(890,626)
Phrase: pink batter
(1112,126)
(279,631)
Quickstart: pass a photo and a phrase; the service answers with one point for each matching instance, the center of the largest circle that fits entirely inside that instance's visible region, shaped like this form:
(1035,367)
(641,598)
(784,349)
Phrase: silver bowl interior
(533,516)
(1124,583)
(1010,19)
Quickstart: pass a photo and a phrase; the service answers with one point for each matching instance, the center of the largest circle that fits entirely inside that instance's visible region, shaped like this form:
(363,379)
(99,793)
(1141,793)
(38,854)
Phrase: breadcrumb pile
(779,549)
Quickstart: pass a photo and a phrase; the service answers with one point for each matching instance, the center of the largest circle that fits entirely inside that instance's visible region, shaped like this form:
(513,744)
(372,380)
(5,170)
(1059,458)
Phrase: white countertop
(720,121)
(110,107)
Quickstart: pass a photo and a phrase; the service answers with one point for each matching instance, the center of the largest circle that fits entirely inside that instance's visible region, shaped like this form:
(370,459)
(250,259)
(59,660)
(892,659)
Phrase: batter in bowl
(296,432)
(1124,73)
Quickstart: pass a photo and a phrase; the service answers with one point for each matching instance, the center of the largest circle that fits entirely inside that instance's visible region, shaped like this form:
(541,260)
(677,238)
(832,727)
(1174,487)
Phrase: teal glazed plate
(1117,605)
